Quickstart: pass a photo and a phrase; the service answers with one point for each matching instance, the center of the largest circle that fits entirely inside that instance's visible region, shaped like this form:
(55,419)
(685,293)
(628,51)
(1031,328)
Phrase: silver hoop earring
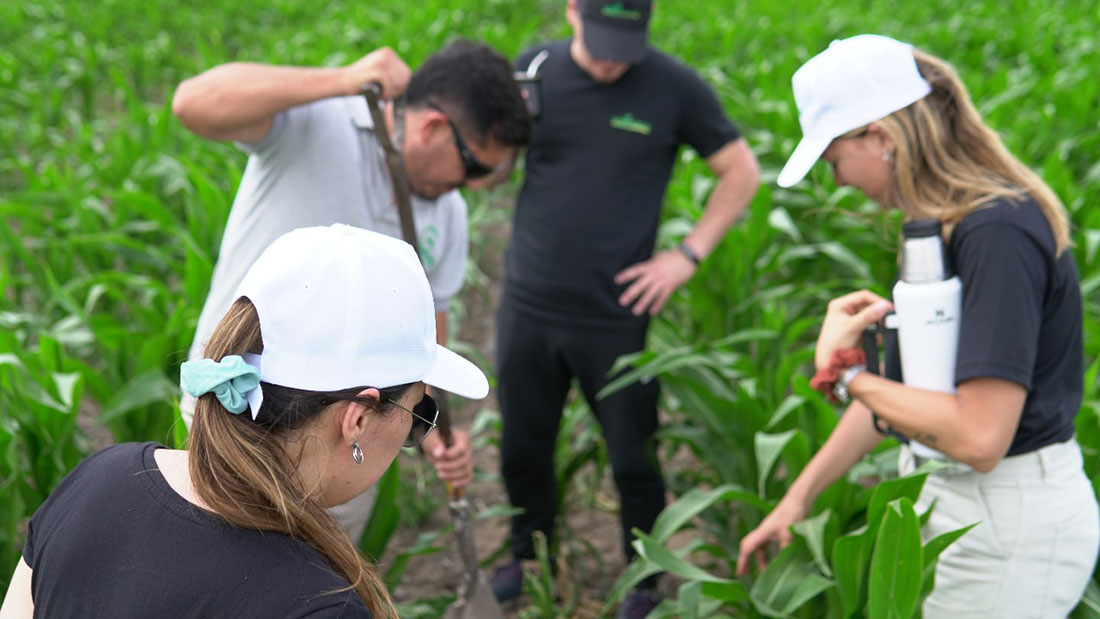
(356,453)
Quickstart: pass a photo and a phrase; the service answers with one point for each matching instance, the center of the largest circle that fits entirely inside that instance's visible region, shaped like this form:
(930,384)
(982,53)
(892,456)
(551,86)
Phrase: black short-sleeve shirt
(596,172)
(114,540)
(1021,316)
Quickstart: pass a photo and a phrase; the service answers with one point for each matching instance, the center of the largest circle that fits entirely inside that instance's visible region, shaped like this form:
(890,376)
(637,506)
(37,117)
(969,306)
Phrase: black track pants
(536,362)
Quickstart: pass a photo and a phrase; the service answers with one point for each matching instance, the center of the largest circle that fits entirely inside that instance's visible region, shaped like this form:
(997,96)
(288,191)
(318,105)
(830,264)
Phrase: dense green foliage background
(111,214)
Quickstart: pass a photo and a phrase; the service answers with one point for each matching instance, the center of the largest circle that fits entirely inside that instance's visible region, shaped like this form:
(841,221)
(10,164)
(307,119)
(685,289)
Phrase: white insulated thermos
(928,302)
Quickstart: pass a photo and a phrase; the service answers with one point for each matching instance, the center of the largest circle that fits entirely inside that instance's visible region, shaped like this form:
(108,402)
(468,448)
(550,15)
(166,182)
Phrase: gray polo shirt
(321,164)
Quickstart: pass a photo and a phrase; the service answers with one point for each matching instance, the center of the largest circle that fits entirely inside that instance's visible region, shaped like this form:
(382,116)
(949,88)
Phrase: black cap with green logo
(615,29)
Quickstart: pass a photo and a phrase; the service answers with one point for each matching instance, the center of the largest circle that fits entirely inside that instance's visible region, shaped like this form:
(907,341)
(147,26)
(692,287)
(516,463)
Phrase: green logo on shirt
(627,122)
(429,236)
(618,11)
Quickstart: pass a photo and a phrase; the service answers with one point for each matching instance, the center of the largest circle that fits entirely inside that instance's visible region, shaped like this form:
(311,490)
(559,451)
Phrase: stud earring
(356,453)
(887,156)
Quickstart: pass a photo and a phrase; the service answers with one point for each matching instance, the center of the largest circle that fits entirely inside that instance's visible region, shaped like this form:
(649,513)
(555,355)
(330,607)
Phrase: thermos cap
(922,257)
(921,228)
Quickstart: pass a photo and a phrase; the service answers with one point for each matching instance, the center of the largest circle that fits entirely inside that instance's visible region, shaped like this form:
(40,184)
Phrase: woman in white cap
(898,124)
(310,385)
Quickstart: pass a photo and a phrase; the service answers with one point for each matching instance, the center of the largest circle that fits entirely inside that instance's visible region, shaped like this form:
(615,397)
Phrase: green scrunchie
(229,379)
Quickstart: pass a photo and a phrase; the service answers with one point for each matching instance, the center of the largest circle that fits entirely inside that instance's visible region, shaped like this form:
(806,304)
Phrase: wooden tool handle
(443,424)
(395,163)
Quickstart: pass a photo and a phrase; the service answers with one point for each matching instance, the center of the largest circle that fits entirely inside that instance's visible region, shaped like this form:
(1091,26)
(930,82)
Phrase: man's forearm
(238,100)
(738,179)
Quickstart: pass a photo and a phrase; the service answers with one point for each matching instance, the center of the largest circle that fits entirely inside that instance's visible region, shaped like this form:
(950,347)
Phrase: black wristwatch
(689,253)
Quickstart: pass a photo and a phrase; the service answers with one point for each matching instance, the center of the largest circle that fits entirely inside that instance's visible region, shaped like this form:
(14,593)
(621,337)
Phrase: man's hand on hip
(654,281)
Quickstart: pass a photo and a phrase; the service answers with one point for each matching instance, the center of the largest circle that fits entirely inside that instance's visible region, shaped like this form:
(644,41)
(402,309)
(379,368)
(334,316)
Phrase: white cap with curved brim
(342,307)
(853,83)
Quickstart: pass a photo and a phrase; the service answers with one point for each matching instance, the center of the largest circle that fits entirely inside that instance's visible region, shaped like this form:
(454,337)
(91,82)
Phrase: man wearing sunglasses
(581,273)
(314,159)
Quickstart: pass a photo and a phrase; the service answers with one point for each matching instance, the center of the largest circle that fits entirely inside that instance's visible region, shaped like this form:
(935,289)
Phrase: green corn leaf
(932,551)
(652,550)
(674,516)
(729,592)
(149,387)
(768,449)
(790,404)
(1089,608)
(425,544)
(68,385)
(25,386)
(850,557)
(897,565)
(638,570)
(383,516)
(781,220)
(847,258)
(813,530)
(887,491)
(179,428)
(500,510)
(928,513)
(787,584)
(746,336)
(691,596)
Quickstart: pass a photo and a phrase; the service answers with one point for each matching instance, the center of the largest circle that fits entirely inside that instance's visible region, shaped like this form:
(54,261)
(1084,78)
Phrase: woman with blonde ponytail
(898,124)
(309,387)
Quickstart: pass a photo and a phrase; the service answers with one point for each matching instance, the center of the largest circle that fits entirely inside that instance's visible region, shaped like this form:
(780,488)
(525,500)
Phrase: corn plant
(879,569)
(111,215)
(40,394)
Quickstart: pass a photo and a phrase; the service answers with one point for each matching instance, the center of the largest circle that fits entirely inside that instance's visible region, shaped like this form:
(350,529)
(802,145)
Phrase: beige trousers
(1036,543)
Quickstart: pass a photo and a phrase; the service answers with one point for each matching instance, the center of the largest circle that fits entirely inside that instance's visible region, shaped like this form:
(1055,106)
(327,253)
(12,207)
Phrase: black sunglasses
(424,416)
(474,168)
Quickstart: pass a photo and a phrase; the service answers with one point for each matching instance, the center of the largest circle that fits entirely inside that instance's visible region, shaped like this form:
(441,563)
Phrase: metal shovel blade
(475,597)
(481,604)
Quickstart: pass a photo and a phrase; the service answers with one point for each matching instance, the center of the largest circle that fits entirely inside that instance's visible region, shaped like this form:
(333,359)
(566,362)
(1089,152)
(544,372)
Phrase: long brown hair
(949,163)
(244,470)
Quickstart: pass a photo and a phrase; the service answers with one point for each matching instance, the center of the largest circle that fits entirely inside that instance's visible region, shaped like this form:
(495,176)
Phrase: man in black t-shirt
(581,277)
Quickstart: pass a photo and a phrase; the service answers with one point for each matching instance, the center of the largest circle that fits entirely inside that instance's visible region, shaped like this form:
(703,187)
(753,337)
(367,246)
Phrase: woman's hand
(845,320)
(775,528)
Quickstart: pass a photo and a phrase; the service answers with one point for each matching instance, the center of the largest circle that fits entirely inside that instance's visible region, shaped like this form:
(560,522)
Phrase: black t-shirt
(596,172)
(115,541)
(1021,316)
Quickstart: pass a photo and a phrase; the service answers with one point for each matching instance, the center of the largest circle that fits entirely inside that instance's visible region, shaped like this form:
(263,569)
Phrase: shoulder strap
(536,62)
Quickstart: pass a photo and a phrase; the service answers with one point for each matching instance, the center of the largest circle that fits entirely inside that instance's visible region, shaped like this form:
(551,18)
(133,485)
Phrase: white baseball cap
(854,82)
(343,307)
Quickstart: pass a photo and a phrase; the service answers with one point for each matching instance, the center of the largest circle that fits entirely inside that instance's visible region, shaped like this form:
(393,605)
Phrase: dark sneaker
(507,581)
(638,603)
